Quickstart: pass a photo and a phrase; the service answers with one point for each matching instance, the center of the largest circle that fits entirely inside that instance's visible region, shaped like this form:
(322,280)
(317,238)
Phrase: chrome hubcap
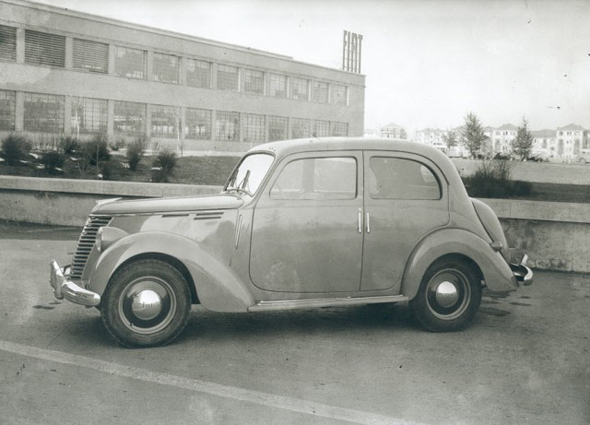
(147,305)
(448,294)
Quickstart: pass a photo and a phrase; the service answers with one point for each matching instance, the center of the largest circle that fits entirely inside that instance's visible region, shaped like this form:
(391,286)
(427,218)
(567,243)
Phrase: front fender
(217,287)
(496,272)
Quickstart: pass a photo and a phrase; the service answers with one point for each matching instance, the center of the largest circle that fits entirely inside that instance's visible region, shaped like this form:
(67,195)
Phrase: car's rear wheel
(449,296)
(146,303)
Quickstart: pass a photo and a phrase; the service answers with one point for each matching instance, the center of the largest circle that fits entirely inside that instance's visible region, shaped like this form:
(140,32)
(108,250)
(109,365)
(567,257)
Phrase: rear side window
(399,178)
(317,179)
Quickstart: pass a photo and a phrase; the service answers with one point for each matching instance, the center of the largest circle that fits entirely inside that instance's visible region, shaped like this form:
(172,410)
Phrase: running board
(321,302)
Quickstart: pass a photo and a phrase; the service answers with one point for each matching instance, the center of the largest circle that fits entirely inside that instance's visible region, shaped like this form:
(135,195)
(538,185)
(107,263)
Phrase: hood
(168,205)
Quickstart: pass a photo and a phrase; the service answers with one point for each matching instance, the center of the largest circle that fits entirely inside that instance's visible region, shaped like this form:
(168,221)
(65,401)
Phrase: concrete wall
(556,236)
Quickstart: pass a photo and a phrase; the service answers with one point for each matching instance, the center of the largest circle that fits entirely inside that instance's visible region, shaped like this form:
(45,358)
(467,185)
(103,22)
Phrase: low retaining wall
(556,236)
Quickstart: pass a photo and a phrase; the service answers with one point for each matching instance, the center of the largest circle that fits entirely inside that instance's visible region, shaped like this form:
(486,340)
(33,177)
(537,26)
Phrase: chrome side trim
(238,230)
(320,302)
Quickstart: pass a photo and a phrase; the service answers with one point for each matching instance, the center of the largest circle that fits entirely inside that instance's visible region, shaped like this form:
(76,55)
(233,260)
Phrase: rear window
(399,178)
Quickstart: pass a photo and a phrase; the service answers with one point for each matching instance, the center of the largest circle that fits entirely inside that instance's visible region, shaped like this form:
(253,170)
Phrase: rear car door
(406,197)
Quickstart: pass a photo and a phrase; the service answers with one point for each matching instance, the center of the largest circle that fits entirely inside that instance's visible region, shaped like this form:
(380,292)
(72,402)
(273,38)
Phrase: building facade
(393,131)
(66,72)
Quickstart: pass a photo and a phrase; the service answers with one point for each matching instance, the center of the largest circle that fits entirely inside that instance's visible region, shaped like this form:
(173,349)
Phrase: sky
(427,63)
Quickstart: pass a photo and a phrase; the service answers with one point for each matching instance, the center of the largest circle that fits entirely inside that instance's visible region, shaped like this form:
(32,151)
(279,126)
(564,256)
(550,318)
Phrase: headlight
(106,236)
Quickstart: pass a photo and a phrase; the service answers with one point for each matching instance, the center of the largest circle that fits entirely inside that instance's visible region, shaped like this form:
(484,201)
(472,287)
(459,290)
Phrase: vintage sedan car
(299,224)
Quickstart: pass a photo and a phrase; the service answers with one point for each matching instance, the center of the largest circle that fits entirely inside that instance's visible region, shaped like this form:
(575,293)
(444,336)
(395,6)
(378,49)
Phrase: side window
(317,179)
(397,178)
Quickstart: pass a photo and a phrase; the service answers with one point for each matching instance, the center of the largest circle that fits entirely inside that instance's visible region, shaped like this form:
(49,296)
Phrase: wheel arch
(173,261)
(461,244)
(213,283)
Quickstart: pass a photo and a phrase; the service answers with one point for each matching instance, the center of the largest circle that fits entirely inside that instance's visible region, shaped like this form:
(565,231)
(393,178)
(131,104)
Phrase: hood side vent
(208,215)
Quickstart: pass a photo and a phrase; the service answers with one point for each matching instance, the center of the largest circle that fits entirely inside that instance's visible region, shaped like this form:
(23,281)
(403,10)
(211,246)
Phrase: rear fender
(496,272)
(217,287)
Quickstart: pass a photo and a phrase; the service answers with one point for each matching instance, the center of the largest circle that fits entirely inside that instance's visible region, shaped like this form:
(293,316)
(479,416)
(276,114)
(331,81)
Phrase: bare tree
(78,106)
(451,138)
(179,136)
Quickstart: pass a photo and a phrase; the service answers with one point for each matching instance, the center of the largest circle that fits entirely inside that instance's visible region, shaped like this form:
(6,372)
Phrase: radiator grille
(86,242)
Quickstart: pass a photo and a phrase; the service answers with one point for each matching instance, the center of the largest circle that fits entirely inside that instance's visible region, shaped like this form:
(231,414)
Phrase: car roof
(315,144)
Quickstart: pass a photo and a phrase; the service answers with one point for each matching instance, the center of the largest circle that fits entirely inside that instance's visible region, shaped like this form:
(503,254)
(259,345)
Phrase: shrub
(492,180)
(96,150)
(135,151)
(15,148)
(52,161)
(165,164)
(117,144)
(68,145)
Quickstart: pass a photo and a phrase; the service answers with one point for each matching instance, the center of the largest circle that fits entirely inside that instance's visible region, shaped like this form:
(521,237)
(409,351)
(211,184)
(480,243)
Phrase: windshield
(248,176)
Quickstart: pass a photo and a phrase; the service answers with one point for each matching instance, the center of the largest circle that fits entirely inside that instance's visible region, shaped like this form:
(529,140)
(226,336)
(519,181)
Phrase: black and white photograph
(295,212)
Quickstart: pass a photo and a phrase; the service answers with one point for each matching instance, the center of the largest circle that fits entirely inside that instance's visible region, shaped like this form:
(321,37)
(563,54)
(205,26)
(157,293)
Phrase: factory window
(43,113)
(198,73)
(88,115)
(45,49)
(300,128)
(130,63)
(321,128)
(166,68)
(227,126)
(129,118)
(198,124)
(339,129)
(8,43)
(277,128)
(277,85)
(91,56)
(165,121)
(300,89)
(338,95)
(253,82)
(227,78)
(254,128)
(7,110)
(320,92)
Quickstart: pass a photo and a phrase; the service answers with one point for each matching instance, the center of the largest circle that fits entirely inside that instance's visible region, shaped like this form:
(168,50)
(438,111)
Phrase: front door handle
(360,222)
(368,223)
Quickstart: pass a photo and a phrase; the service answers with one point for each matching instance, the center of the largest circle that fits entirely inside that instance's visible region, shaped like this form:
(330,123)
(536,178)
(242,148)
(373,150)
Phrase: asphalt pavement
(525,359)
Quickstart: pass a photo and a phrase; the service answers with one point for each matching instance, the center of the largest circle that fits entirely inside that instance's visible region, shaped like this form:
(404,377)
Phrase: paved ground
(525,359)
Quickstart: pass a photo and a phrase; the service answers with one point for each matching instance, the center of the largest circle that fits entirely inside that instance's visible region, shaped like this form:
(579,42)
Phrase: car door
(306,235)
(405,199)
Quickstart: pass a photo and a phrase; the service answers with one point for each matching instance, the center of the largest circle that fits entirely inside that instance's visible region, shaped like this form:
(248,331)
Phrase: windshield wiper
(242,187)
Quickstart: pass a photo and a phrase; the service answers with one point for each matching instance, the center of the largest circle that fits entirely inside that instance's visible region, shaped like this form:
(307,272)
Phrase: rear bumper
(522,273)
(65,288)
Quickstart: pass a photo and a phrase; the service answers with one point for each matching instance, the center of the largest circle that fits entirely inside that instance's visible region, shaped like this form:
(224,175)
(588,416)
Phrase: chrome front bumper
(522,273)
(65,288)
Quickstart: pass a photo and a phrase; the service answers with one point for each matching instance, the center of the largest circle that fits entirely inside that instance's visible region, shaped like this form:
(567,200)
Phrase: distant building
(570,140)
(393,131)
(66,72)
(545,139)
(502,137)
(432,137)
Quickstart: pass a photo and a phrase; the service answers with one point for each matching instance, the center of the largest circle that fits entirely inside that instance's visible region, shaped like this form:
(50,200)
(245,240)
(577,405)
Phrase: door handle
(368,223)
(360,222)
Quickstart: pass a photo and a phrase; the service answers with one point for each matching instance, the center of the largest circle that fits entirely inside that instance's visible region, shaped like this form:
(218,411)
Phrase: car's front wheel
(146,303)
(449,296)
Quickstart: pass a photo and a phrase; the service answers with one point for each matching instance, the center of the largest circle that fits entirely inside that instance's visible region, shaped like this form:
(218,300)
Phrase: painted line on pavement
(235,393)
